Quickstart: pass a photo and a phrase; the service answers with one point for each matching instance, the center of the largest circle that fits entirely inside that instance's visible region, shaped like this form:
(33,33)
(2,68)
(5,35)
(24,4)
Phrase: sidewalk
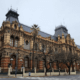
(5,76)
(17,76)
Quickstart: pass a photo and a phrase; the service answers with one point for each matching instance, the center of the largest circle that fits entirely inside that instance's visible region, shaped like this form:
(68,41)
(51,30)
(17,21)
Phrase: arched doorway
(13,62)
(26,63)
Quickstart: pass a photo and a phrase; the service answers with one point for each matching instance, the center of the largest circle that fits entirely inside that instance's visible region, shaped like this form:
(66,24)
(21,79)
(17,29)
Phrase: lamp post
(16,63)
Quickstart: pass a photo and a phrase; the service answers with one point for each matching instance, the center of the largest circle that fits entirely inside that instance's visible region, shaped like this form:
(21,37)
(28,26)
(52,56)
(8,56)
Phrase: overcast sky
(47,14)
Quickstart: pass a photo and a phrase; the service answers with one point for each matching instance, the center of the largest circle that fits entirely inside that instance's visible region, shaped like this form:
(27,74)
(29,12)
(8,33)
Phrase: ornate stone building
(16,42)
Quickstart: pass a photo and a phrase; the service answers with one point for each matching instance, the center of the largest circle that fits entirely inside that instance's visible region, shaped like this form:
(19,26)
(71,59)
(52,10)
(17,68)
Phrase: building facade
(16,43)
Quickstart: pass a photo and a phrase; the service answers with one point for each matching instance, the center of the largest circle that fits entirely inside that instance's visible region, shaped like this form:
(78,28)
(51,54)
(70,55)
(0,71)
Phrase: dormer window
(26,42)
(15,26)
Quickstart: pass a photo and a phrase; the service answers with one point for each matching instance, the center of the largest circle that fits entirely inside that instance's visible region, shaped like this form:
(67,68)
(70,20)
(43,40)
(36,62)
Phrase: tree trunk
(59,72)
(46,72)
(69,70)
(58,67)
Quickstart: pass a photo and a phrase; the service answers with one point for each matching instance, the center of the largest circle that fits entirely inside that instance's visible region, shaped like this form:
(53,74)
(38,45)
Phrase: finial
(11,7)
(17,10)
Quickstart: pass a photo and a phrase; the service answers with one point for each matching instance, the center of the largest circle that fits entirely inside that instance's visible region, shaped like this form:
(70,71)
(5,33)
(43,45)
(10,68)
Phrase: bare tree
(59,57)
(68,58)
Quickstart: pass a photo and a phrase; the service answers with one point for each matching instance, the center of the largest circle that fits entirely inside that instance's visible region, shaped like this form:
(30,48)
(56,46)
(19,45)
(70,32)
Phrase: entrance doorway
(13,62)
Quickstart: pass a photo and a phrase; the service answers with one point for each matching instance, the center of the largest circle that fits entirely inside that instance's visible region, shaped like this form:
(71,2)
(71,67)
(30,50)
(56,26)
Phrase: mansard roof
(78,46)
(12,15)
(43,34)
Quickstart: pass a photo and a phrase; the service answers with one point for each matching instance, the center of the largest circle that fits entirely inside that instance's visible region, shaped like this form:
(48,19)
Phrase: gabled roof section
(78,46)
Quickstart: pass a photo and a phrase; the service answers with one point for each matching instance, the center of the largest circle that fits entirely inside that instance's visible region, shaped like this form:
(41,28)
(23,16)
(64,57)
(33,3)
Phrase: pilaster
(21,41)
(7,38)
(31,44)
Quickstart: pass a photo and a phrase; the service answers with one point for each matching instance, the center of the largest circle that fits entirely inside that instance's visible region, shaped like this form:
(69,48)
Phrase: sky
(47,14)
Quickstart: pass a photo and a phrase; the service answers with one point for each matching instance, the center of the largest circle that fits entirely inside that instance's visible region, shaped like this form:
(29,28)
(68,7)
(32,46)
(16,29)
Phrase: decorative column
(21,41)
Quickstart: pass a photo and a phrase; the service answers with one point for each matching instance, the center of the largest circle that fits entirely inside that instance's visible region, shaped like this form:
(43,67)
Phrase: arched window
(16,41)
(15,26)
(26,42)
(11,40)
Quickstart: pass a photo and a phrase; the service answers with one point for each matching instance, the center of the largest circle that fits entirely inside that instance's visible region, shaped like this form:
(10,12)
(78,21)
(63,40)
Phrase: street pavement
(66,77)
(71,77)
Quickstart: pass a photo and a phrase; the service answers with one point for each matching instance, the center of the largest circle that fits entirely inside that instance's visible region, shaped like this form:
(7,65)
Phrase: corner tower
(61,30)
(12,15)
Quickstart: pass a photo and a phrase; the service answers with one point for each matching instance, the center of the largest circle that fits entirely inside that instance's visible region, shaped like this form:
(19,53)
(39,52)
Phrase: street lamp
(16,63)
(11,61)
